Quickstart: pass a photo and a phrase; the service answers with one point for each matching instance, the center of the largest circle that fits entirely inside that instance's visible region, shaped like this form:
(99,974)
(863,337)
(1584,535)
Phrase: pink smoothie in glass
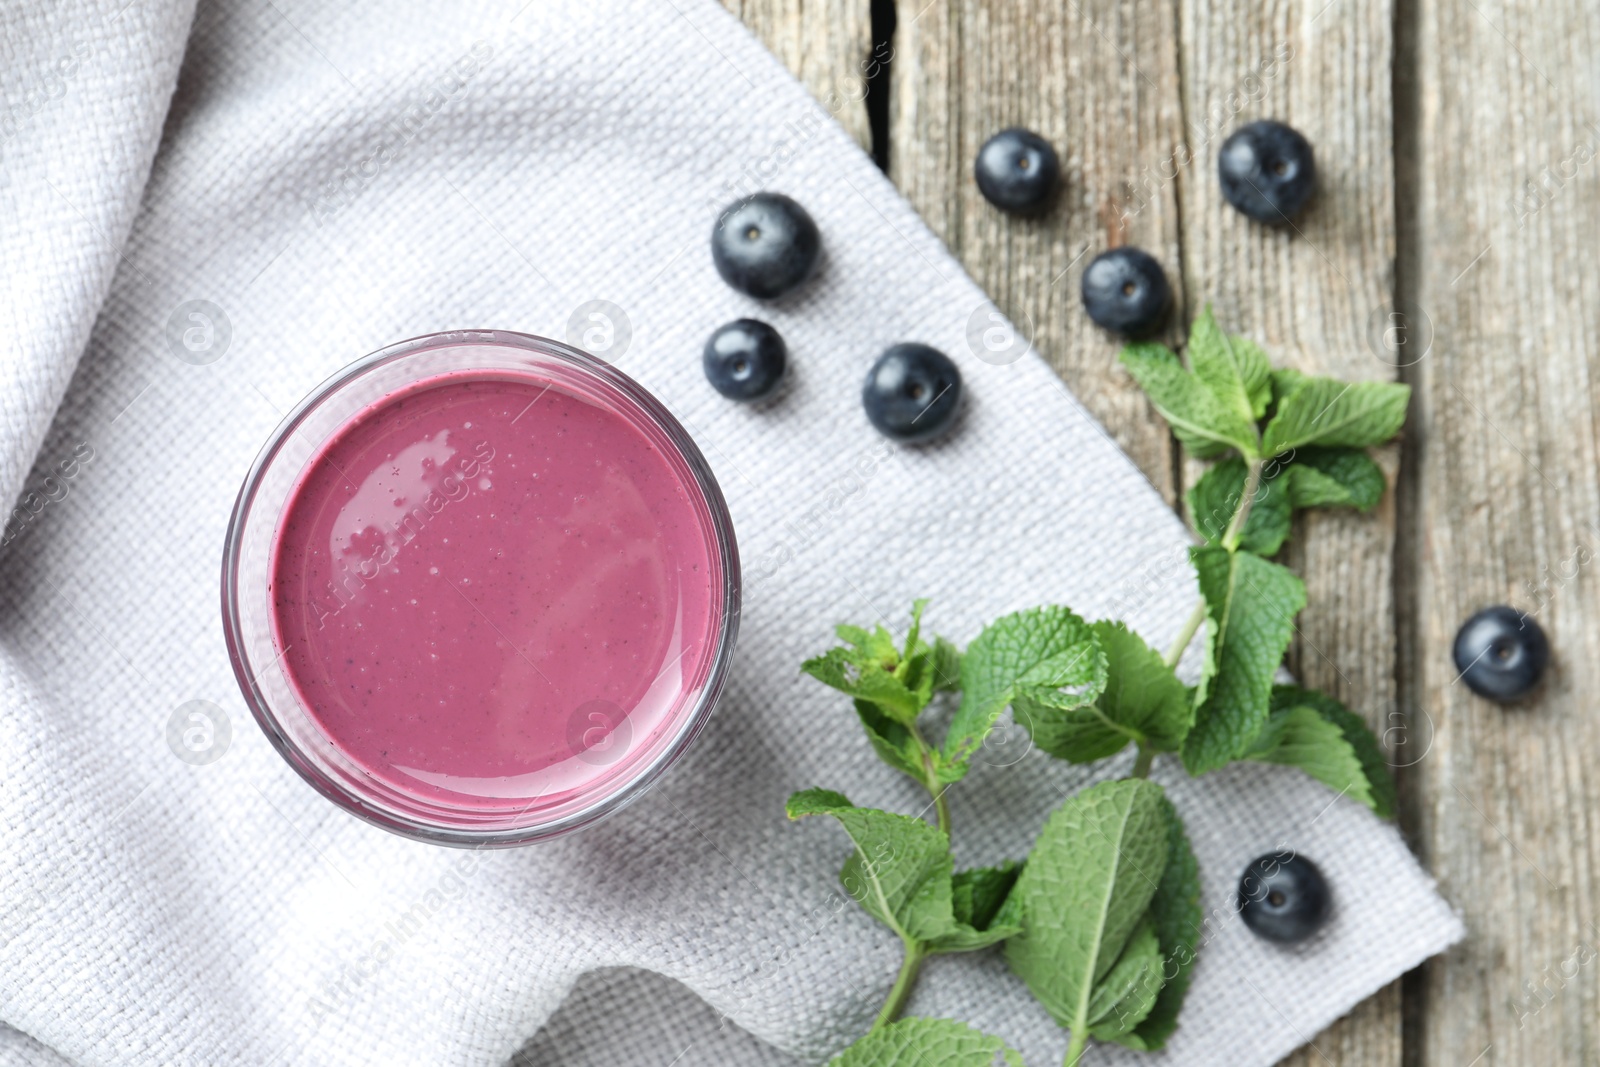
(492,591)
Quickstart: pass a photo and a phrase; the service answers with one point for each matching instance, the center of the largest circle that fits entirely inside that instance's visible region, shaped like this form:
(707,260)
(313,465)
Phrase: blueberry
(765,245)
(1267,171)
(1017,171)
(912,393)
(1501,653)
(1125,290)
(1283,898)
(745,359)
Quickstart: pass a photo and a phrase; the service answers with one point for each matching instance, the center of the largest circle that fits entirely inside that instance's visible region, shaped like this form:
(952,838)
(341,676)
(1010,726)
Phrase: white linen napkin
(329,179)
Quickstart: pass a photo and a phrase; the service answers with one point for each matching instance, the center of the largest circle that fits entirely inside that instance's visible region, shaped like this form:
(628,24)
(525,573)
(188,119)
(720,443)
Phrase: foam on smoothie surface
(472,566)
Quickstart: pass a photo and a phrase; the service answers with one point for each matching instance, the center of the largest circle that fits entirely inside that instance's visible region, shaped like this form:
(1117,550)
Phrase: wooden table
(1452,247)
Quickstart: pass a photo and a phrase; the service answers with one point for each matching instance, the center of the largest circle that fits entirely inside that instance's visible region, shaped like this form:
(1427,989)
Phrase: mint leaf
(900,873)
(1176,911)
(900,870)
(1250,610)
(1128,991)
(890,739)
(1248,353)
(1219,493)
(927,1043)
(1084,891)
(979,892)
(877,643)
(1141,691)
(964,938)
(1235,370)
(914,644)
(1048,653)
(946,666)
(862,676)
(1204,424)
(1080,734)
(1326,411)
(1285,380)
(1142,701)
(1354,729)
(1299,737)
(977,897)
(1334,477)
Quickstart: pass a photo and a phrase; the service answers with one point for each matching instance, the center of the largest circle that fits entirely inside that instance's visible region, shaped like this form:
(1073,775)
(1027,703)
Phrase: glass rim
(413,826)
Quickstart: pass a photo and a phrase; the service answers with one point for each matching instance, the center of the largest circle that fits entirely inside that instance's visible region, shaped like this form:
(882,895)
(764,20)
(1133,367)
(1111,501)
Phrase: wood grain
(1506,510)
(1307,292)
(1099,80)
(827,44)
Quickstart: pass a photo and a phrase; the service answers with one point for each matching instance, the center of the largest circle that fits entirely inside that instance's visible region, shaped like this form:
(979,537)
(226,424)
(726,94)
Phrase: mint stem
(1141,766)
(916,951)
(1076,1047)
(910,965)
(1247,499)
(1230,541)
(930,781)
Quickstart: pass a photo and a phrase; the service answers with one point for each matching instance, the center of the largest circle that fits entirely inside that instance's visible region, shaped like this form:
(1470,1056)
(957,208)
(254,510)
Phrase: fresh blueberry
(1017,171)
(1267,171)
(912,393)
(1283,898)
(765,245)
(1125,290)
(745,359)
(1501,653)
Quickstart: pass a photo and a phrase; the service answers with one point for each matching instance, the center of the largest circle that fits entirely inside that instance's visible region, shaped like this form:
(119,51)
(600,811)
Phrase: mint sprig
(1250,608)
(1102,919)
(1082,897)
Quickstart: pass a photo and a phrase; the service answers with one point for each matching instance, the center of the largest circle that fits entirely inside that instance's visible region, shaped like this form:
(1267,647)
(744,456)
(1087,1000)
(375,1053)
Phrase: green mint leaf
(1299,737)
(979,893)
(1080,734)
(1235,370)
(1141,701)
(900,870)
(1128,991)
(976,896)
(919,1042)
(946,666)
(1084,891)
(1048,653)
(1141,691)
(876,643)
(1326,411)
(914,645)
(1251,604)
(1285,380)
(1218,494)
(964,938)
(1250,354)
(1375,768)
(1334,477)
(1176,911)
(1204,424)
(863,676)
(890,739)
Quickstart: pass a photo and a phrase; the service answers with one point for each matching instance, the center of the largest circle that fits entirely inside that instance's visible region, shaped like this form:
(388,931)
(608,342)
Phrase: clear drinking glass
(365,682)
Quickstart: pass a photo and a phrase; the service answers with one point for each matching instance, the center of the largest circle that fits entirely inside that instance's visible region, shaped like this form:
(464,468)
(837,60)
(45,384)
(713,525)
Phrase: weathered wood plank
(825,43)
(1097,78)
(1507,510)
(1307,292)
